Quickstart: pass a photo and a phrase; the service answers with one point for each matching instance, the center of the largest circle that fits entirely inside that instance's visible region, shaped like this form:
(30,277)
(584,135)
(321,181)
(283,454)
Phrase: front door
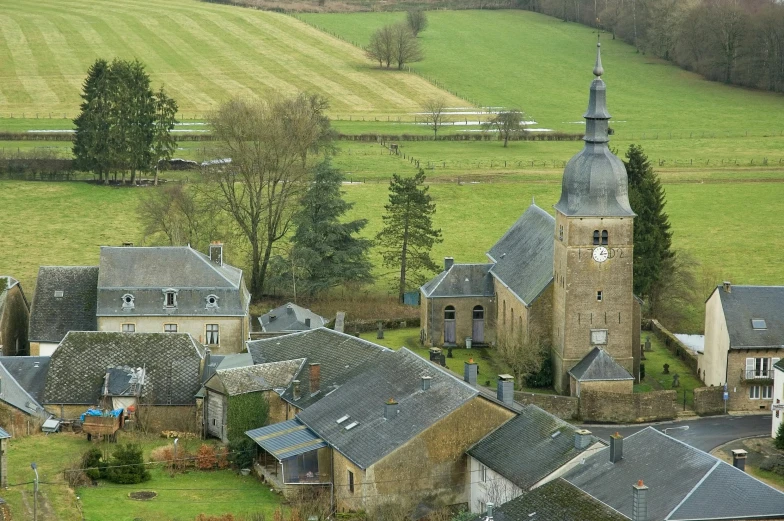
(478,331)
(449,325)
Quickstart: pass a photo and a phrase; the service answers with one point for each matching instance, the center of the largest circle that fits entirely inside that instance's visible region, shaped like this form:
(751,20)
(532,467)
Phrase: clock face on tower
(600,254)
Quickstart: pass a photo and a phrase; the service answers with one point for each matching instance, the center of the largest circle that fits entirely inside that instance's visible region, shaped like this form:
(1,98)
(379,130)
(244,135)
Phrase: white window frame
(132,328)
(766,392)
(760,367)
(173,292)
(176,328)
(208,333)
(754,392)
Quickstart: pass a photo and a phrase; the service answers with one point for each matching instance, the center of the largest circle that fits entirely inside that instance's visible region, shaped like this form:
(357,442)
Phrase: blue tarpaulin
(98,412)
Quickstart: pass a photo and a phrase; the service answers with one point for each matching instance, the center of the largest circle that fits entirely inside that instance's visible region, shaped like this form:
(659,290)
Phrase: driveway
(703,433)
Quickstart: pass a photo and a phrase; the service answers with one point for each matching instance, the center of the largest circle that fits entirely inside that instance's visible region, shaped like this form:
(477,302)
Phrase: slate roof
(395,375)
(779,365)
(524,451)
(557,500)
(78,366)
(684,483)
(261,377)
(339,354)
(461,280)
(145,272)
(125,381)
(13,392)
(523,257)
(599,365)
(29,372)
(4,434)
(290,317)
(744,303)
(52,317)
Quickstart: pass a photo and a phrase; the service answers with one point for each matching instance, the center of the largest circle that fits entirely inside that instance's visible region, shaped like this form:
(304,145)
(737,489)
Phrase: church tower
(593,302)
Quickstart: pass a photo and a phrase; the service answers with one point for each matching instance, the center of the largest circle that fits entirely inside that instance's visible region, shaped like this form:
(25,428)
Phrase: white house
(778,396)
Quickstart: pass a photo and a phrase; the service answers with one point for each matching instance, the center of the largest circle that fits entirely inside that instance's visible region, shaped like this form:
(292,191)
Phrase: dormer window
(170,298)
(58,294)
(127,301)
(759,323)
(212,301)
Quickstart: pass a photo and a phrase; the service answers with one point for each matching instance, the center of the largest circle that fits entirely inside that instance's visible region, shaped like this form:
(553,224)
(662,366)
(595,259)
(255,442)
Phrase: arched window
(449,325)
(604,237)
(596,236)
(449,313)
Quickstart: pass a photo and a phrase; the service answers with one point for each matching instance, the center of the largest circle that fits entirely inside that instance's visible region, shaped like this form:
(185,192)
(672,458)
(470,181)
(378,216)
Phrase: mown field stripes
(203,53)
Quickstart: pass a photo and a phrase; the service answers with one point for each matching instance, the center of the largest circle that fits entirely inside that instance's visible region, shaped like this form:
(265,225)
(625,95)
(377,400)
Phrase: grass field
(543,66)
(203,52)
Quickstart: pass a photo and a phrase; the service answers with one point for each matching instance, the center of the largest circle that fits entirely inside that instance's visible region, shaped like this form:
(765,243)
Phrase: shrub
(162,454)
(773,464)
(205,458)
(127,465)
(542,378)
(92,465)
(222,457)
(241,453)
(779,441)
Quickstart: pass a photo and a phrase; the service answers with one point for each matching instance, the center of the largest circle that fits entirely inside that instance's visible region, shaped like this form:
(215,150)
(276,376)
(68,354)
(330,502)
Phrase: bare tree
(380,46)
(675,299)
(405,46)
(508,123)
(416,20)
(524,353)
(433,110)
(269,143)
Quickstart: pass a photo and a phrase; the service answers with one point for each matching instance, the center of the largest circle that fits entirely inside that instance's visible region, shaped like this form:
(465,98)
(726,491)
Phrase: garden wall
(565,407)
(709,400)
(604,407)
(675,346)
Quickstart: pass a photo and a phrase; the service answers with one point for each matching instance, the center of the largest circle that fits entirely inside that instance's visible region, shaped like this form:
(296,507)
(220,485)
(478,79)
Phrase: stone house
(80,370)
(523,454)
(14,318)
(744,338)
(21,384)
(397,432)
(563,282)
(289,318)
(65,300)
(230,389)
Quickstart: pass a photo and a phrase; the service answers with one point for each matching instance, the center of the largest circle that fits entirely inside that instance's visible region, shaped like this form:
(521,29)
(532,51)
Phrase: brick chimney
(470,372)
(391,409)
(616,448)
(448,262)
(315,378)
(727,286)
(505,389)
(640,502)
(216,252)
(739,459)
(582,438)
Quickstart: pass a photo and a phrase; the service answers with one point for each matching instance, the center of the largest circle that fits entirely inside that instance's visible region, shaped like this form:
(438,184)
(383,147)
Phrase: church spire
(596,117)
(597,69)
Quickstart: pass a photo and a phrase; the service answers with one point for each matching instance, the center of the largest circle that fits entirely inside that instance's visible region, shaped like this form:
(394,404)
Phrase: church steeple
(595,181)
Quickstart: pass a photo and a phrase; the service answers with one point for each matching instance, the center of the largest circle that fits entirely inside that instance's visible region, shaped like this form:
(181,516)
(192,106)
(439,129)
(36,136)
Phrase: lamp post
(35,491)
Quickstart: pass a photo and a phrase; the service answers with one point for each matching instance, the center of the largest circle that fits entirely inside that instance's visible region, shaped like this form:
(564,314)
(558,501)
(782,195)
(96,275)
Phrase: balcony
(757,376)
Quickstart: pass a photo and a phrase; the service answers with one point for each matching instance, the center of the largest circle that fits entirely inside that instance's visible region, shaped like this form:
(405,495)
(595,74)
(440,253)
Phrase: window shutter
(749,367)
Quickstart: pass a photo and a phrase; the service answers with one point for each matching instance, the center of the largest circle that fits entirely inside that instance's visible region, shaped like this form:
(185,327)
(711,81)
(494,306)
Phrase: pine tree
(779,440)
(163,142)
(653,257)
(408,234)
(327,252)
(91,139)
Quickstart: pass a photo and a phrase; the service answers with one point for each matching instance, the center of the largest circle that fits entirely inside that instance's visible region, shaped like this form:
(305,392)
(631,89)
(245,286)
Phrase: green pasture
(203,52)
(543,66)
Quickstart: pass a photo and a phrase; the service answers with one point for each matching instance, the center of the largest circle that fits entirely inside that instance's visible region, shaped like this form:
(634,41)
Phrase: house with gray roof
(173,289)
(81,370)
(778,397)
(744,339)
(650,476)
(289,318)
(397,428)
(14,318)
(524,453)
(65,299)
(21,386)
(231,391)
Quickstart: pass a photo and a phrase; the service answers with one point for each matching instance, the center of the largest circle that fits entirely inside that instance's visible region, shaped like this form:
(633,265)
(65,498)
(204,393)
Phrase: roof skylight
(759,323)
(342,419)
(351,425)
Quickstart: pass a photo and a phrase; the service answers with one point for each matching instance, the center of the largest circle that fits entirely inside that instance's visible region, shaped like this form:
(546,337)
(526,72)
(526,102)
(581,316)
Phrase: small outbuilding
(289,318)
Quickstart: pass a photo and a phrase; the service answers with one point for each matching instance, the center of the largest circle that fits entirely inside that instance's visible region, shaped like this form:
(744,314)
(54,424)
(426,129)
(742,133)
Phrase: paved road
(703,433)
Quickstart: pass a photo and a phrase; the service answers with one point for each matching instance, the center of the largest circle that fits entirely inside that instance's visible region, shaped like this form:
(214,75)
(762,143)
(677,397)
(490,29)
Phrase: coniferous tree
(652,236)
(163,142)
(325,251)
(408,234)
(779,439)
(91,139)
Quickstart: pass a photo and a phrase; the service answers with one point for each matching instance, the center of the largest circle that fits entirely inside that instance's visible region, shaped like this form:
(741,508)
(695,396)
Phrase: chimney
(289,308)
(490,507)
(206,366)
(616,448)
(739,459)
(727,286)
(390,409)
(295,385)
(315,378)
(216,252)
(307,323)
(426,382)
(582,438)
(470,372)
(448,262)
(505,389)
(640,502)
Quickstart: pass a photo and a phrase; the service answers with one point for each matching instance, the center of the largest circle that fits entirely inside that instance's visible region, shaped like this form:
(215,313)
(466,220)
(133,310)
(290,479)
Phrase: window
(212,301)
(212,334)
(598,336)
(759,323)
(170,328)
(449,313)
(58,294)
(767,392)
(759,368)
(479,313)
(350,481)
(482,473)
(754,392)
(560,232)
(596,236)
(604,237)
(170,298)
(129,328)
(127,301)
(599,296)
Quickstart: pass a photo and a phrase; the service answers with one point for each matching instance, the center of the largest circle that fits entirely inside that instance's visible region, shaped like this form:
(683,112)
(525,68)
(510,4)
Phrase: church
(563,281)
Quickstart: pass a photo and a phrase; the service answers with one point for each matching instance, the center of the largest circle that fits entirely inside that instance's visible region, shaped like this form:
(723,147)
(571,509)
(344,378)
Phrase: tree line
(733,41)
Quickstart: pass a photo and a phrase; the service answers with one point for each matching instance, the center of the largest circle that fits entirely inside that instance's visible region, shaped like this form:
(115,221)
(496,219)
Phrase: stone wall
(564,407)
(676,347)
(18,423)
(627,408)
(14,322)
(464,307)
(709,400)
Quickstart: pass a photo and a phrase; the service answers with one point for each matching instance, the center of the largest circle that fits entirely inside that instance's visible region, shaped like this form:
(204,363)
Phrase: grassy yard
(181,497)
(655,377)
